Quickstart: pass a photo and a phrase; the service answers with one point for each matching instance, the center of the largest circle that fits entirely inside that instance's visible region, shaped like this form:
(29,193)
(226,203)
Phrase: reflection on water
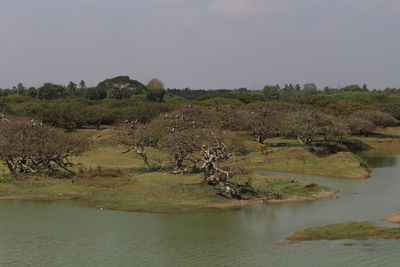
(43,234)
(379,159)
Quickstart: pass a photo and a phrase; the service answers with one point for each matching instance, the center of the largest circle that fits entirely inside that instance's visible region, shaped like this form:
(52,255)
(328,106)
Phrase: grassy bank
(350,230)
(110,179)
(151,191)
(384,139)
(301,160)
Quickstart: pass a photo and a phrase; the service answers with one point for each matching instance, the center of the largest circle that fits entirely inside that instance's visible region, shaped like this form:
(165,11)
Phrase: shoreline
(360,177)
(211,206)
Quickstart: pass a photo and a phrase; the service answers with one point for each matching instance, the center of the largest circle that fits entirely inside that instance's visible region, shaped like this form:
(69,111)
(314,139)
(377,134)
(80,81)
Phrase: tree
(339,128)
(136,137)
(30,147)
(82,85)
(178,129)
(205,149)
(94,93)
(21,90)
(227,118)
(182,146)
(310,87)
(354,88)
(62,114)
(271,92)
(264,122)
(185,118)
(98,115)
(358,125)
(156,90)
(32,92)
(120,87)
(308,124)
(72,88)
(216,147)
(377,118)
(51,91)
(287,92)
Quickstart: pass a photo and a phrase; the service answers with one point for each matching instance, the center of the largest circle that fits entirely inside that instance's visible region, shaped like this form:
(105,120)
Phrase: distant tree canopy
(122,98)
(120,87)
(114,88)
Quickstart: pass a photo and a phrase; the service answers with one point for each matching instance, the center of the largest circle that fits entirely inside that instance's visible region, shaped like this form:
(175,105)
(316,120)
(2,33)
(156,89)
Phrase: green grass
(301,160)
(350,230)
(149,191)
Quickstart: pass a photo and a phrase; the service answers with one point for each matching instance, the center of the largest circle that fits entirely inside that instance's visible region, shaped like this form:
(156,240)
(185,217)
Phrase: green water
(62,234)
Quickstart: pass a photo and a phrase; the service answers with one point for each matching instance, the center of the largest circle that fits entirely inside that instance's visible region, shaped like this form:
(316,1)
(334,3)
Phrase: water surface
(63,234)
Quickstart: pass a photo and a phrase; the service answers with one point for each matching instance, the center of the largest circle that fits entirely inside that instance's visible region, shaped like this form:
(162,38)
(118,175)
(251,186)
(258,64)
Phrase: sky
(201,43)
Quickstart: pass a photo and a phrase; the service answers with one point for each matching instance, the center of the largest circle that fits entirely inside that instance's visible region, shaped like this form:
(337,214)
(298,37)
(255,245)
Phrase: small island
(343,231)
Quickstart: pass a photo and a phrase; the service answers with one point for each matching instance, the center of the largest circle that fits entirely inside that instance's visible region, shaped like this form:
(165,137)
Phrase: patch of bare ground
(394,218)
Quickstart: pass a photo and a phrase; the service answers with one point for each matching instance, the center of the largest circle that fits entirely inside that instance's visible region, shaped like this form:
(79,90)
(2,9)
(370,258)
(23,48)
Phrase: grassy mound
(350,230)
(301,160)
(150,191)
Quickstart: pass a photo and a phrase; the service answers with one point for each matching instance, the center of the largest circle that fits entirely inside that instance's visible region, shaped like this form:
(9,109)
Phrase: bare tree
(264,122)
(210,148)
(135,136)
(182,146)
(216,147)
(28,146)
(308,124)
(186,117)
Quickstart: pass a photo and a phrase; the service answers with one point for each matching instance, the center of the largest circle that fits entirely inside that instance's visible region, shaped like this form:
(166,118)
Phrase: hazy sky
(201,43)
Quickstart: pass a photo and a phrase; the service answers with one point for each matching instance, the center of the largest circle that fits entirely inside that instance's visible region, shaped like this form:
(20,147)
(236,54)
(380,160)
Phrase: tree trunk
(145,160)
(142,153)
(178,162)
(260,139)
(299,139)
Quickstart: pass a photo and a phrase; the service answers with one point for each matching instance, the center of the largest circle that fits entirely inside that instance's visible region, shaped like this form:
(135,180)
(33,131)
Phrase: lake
(64,234)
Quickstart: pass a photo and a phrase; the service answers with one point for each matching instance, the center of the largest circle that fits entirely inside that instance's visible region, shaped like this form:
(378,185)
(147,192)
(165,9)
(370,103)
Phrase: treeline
(121,99)
(120,87)
(77,112)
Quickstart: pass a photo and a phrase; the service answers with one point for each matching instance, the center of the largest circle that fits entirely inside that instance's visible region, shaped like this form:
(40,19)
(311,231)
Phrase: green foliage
(52,91)
(173,99)
(6,179)
(119,87)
